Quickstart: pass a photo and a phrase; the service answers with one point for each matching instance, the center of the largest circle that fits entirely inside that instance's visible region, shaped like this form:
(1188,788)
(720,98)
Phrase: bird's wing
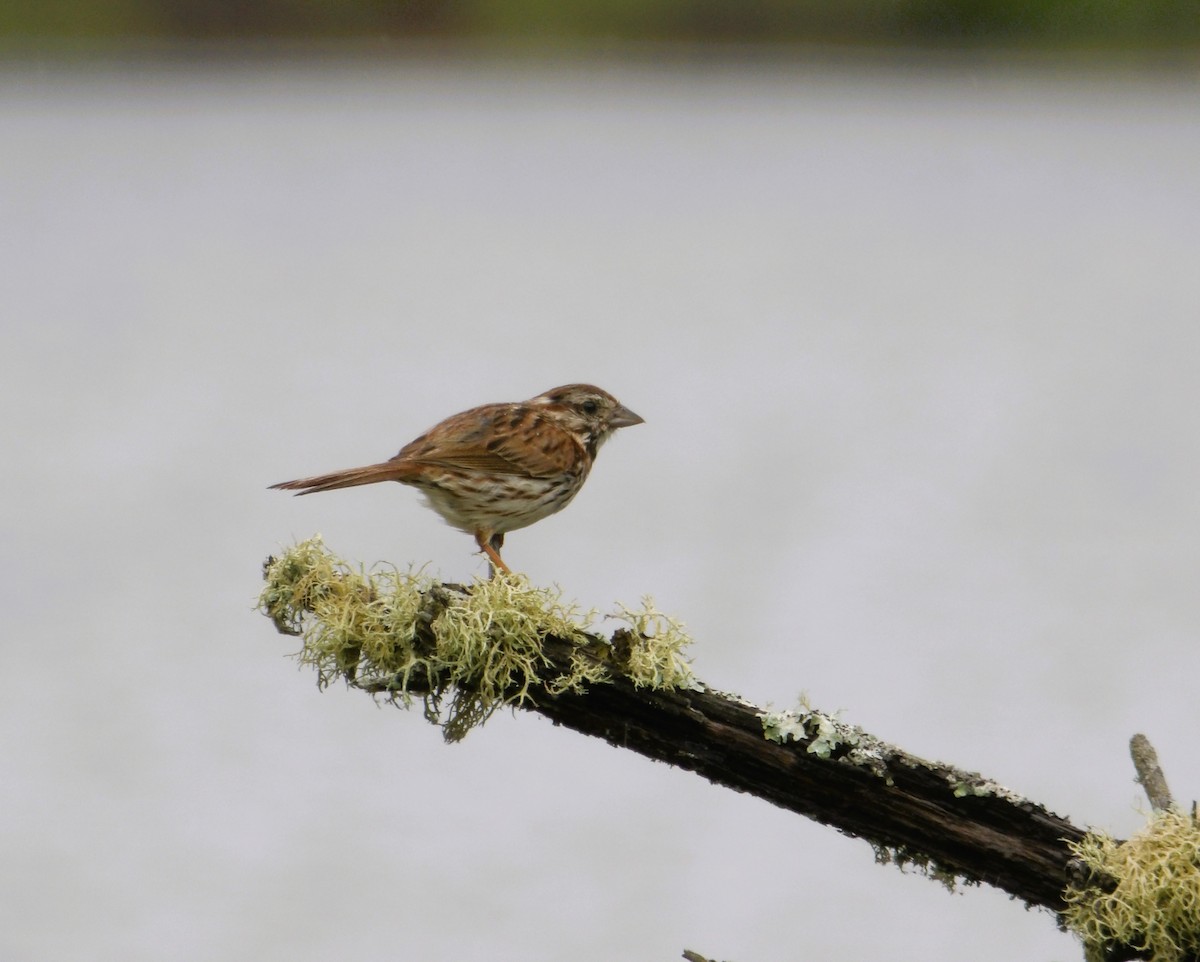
(502,439)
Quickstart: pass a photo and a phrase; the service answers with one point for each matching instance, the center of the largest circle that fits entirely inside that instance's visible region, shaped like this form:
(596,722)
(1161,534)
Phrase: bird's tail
(352,477)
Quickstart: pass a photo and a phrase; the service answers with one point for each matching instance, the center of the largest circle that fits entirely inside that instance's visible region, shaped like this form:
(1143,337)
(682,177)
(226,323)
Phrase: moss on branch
(1143,893)
(466,651)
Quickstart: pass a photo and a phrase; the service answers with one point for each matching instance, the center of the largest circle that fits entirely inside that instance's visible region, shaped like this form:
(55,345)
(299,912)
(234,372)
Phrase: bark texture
(948,821)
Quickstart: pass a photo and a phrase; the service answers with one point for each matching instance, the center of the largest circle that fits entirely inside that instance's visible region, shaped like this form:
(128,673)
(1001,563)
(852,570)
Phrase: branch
(502,643)
(951,822)
(1149,773)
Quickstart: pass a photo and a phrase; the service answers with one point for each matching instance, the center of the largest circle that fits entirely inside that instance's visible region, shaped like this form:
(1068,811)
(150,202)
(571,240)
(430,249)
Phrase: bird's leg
(490,546)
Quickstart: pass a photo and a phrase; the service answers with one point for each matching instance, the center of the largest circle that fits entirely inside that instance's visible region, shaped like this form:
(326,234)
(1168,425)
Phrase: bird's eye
(589,406)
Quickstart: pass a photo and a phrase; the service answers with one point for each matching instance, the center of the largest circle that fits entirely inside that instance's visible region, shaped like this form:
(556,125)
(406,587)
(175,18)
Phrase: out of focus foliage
(1086,23)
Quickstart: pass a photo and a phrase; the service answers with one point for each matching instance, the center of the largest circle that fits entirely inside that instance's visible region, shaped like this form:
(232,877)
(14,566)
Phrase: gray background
(916,345)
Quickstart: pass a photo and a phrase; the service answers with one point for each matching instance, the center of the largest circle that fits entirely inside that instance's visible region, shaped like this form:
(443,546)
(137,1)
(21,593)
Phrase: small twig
(1150,774)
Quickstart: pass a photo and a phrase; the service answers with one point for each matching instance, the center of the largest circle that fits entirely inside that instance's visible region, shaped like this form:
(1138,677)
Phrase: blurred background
(1051,24)
(906,293)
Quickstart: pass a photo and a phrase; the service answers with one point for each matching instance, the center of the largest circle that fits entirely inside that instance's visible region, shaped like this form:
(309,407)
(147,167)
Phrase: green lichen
(1143,893)
(909,861)
(651,648)
(824,733)
(974,785)
(465,651)
(827,736)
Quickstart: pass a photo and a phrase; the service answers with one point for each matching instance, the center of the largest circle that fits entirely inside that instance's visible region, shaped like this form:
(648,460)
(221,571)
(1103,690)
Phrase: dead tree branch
(951,822)
(473,646)
(1149,773)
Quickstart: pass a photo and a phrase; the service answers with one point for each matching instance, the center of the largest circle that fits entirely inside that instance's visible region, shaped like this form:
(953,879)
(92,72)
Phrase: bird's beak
(622,417)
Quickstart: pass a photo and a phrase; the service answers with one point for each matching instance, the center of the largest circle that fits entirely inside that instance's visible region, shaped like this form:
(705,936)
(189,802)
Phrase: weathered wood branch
(1149,773)
(460,648)
(908,806)
(951,822)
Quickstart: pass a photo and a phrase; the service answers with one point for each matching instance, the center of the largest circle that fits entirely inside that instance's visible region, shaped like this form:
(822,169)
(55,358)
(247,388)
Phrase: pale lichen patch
(465,651)
(651,648)
(827,736)
(973,785)
(1143,893)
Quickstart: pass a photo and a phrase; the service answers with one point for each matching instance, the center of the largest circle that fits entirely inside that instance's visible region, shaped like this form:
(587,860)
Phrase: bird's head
(589,413)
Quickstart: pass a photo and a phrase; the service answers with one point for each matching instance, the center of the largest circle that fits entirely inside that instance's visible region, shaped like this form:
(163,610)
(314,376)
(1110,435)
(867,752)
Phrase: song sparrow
(499,467)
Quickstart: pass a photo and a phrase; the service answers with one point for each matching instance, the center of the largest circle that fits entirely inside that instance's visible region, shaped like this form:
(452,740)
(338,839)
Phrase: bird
(498,467)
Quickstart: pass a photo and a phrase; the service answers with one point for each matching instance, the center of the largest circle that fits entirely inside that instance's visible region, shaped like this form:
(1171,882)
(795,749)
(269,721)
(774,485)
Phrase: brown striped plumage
(499,467)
